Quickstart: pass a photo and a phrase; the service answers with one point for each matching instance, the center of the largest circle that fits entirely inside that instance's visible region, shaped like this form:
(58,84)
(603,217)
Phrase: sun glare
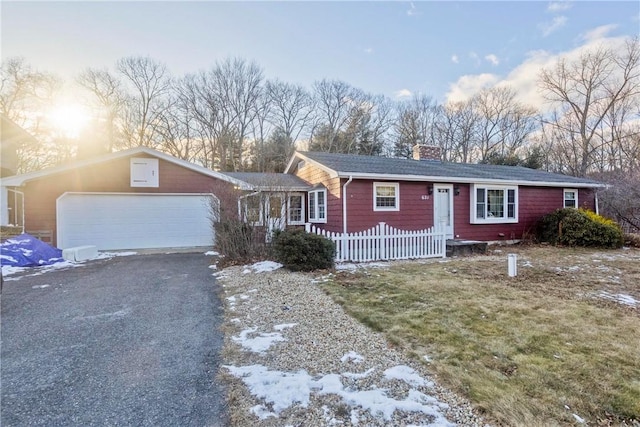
(69,119)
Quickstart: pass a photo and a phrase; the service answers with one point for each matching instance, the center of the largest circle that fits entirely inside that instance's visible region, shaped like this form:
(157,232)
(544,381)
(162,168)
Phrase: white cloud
(455,59)
(403,93)
(523,79)
(468,85)
(492,58)
(412,11)
(368,50)
(549,27)
(598,32)
(558,6)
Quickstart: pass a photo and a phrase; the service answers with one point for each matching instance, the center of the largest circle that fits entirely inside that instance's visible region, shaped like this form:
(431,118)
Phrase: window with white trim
(494,204)
(253,209)
(570,198)
(295,210)
(318,205)
(386,196)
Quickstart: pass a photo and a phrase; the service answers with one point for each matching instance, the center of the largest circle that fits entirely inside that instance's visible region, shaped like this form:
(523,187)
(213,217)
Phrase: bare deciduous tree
(585,91)
(415,124)
(109,97)
(151,81)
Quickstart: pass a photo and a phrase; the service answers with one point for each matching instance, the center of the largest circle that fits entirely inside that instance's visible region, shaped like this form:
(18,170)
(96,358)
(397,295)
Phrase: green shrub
(580,227)
(301,251)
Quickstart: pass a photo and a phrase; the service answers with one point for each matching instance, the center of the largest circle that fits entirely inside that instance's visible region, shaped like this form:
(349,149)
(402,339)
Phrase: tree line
(231,118)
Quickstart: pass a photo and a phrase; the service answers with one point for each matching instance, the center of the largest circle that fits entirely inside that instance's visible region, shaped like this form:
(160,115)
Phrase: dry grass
(530,350)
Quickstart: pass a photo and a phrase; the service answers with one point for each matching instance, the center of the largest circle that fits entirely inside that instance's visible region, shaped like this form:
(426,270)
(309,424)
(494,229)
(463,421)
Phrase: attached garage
(133,199)
(134,221)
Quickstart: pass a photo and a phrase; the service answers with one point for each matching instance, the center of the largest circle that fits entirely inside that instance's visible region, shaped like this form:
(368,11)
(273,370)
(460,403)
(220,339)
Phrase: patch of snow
(427,358)
(260,342)
(358,375)
(349,266)
(262,267)
(36,271)
(284,326)
(578,418)
(262,412)
(40,286)
(107,255)
(623,299)
(280,389)
(212,253)
(408,375)
(527,264)
(213,267)
(352,357)
(284,389)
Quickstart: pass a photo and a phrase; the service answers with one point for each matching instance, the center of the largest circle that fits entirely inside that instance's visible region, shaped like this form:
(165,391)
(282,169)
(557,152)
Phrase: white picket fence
(384,242)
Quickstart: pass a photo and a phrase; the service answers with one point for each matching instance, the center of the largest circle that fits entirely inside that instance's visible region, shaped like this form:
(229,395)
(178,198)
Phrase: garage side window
(144,172)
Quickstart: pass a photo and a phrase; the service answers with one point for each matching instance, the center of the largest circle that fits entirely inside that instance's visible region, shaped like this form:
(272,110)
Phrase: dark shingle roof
(270,181)
(346,164)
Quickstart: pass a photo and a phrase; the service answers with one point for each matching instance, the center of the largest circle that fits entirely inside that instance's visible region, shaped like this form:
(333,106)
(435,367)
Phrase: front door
(443,208)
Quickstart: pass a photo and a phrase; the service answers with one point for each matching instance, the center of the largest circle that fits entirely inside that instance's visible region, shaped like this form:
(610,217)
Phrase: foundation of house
(456,247)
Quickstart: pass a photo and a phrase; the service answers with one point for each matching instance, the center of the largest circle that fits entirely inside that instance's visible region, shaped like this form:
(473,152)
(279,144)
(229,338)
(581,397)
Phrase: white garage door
(134,221)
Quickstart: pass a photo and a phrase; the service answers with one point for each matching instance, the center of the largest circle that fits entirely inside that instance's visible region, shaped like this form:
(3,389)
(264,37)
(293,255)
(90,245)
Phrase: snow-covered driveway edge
(293,357)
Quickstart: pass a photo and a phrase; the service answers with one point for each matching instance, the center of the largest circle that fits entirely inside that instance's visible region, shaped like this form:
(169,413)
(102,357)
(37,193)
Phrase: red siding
(533,203)
(114,177)
(416,211)
(416,207)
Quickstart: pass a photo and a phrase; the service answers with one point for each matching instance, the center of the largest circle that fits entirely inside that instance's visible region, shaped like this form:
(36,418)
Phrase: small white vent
(144,172)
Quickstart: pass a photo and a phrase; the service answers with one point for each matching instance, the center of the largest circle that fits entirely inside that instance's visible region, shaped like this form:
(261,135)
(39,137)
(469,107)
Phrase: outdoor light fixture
(430,189)
(456,190)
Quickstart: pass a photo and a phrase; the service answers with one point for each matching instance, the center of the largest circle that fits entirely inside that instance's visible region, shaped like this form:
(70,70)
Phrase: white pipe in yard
(512,260)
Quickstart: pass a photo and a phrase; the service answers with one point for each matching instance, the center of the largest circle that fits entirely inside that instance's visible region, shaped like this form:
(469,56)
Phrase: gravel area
(293,357)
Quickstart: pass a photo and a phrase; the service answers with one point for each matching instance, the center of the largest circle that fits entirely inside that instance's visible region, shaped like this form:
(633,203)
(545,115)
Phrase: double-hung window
(570,198)
(318,205)
(295,211)
(386,196)
(494,204)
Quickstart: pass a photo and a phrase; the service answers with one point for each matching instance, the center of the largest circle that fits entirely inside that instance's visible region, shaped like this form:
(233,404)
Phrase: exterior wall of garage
(112,176)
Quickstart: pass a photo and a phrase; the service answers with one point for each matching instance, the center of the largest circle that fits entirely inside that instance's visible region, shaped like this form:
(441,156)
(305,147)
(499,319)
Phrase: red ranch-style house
(473,201)
(142,198)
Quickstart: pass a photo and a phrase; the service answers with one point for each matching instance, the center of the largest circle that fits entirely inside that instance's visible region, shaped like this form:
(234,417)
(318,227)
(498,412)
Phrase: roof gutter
(464,180)
(344,204)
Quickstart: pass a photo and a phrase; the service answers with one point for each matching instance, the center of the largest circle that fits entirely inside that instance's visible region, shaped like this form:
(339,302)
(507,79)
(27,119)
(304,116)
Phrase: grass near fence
(557,344)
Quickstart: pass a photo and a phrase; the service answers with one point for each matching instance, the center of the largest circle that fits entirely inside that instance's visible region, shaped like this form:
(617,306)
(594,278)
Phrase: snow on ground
(281,390)
(623,299)
(352,357)
(261,267)
(37,271)
(211,253)
(257,342)
(406,374)
(349,266)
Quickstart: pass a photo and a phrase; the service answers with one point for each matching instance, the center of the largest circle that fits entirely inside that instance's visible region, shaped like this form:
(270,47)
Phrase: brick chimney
(426,152)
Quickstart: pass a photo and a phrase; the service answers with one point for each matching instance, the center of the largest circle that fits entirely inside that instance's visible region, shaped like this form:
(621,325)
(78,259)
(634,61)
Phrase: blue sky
(443,49)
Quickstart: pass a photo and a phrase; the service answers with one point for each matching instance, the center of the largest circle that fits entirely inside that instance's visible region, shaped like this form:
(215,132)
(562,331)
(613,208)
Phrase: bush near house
(580,227)
(301,251)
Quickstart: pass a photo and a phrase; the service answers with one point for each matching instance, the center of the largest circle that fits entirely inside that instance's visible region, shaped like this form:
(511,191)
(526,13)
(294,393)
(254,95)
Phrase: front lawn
(558,344)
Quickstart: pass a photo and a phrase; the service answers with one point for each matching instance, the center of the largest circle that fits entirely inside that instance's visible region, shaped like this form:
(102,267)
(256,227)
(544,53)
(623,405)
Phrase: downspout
(344,204)
(597,207)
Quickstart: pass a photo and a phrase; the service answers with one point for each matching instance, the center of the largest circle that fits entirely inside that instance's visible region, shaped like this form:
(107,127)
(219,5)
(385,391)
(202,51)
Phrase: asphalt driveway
(131,341)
